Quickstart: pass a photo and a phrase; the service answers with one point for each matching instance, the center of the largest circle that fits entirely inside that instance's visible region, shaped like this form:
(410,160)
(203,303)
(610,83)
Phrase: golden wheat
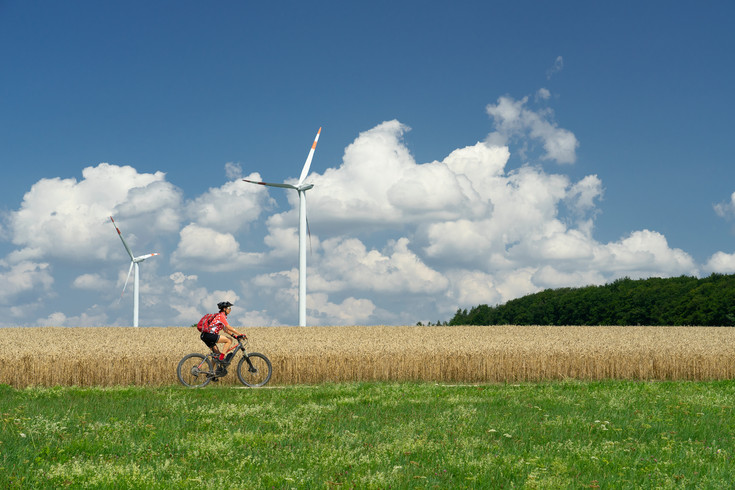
(148,356)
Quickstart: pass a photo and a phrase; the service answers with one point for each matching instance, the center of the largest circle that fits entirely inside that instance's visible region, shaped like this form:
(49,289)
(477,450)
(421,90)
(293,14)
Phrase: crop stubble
(105,356)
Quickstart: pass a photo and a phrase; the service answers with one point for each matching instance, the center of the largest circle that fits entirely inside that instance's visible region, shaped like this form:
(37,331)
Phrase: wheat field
(105,356)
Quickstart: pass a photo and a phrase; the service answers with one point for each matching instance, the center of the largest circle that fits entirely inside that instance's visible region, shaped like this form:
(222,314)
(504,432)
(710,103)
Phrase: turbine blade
(125,244)
(302,195)
(307,164)
(127,278)
(287,186)
(308,232)
(143,257)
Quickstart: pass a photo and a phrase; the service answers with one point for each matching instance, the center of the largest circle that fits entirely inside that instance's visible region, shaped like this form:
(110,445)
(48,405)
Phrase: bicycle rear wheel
(195,370)
(259,374)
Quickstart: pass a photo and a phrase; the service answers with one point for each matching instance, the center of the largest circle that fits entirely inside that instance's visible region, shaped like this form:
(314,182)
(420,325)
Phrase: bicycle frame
(235,349)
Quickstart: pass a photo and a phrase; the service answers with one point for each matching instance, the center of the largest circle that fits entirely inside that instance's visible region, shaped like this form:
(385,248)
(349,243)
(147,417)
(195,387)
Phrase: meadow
(112,356)
(561,434)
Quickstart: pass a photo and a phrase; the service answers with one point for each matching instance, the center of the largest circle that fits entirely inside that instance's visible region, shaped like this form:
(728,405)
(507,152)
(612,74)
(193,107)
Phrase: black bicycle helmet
(223,305)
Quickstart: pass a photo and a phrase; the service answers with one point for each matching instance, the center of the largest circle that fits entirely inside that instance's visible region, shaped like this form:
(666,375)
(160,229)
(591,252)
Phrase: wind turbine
(134,261)
(301,188)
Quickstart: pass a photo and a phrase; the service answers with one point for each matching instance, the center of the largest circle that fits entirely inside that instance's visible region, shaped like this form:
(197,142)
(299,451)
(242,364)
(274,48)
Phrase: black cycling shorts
(210,339)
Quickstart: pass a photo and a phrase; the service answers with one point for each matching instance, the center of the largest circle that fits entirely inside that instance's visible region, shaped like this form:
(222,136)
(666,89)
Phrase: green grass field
(613,434)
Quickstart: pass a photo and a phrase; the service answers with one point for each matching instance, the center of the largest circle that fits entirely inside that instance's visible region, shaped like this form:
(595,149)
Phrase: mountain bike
(198,370)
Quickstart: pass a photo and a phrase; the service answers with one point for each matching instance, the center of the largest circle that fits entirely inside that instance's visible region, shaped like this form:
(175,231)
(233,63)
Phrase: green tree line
(671,301)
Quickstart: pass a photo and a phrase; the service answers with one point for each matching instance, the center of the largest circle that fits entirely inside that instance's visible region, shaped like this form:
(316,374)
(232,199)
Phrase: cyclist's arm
(231,331)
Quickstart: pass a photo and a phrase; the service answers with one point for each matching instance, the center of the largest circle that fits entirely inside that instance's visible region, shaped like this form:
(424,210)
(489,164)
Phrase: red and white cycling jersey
(218,323)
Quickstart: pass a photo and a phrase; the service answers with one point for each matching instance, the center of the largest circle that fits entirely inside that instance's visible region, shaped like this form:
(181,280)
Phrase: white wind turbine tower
(301,188)
(134,261)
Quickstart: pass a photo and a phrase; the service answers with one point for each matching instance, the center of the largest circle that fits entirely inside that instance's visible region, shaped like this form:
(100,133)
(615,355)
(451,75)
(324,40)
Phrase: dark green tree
(674,301)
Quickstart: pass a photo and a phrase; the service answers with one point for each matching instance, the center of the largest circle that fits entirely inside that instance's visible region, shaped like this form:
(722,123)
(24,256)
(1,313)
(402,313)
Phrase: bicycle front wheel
(257,375)
(195,371)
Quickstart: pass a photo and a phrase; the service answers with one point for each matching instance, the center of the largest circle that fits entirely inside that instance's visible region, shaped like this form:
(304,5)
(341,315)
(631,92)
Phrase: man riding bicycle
(211,333)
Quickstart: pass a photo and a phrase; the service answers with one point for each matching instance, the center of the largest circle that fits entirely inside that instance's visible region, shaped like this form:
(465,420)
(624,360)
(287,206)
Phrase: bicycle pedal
(215,379)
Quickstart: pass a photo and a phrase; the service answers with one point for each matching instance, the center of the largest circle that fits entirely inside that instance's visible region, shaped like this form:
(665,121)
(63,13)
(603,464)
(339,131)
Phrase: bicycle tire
(190,371)
(259,378)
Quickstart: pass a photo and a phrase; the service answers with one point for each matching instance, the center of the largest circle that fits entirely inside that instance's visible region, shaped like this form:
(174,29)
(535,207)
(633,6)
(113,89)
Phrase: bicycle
(197,370)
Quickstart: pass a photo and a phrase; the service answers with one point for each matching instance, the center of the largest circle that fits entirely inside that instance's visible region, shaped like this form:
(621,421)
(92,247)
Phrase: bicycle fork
(252,368)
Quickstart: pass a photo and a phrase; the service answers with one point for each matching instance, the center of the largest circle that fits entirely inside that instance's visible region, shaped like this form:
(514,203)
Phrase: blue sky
(471,152)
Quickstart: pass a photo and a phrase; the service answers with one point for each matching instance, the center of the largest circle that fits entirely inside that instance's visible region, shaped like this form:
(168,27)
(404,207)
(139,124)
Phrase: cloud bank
(399,241)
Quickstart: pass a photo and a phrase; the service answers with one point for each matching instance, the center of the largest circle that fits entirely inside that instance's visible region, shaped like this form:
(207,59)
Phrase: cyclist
(211,337)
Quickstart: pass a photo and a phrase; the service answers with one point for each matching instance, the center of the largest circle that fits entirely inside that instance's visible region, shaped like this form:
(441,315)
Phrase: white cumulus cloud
(69,219)
(722,263)
(24,279)
(232,206)
(726,209)
(92,282)
(204,248)
(514,120)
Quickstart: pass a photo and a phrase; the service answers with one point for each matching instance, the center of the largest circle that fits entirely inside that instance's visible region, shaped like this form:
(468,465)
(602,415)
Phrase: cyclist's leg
(228,344)
(215,340)
(210,340)
(228,349)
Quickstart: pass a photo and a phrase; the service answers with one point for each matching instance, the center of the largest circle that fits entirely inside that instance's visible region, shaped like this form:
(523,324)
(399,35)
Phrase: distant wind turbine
(134,261)
(301,188)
